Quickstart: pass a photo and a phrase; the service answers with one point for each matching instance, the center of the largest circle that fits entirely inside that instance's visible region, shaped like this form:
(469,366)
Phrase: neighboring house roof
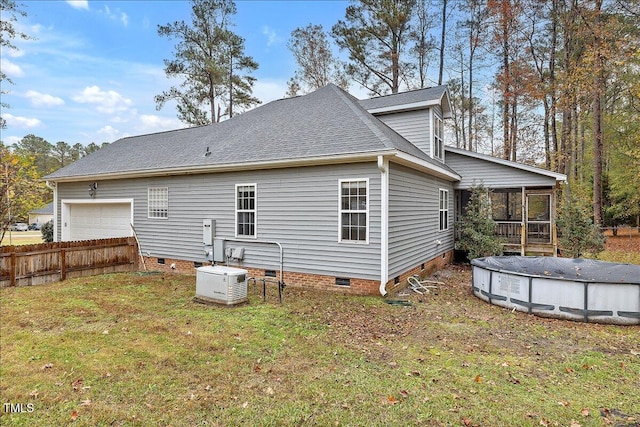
(327,124)
(46,210)
(557,176)
(412,100)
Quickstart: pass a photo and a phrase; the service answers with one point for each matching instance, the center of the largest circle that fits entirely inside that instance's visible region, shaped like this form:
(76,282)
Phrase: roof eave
(417,163)
(557,176)
(405,107)
(232,167)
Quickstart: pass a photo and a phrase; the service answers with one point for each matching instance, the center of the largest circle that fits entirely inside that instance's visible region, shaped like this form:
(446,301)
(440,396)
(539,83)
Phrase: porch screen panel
(539,218)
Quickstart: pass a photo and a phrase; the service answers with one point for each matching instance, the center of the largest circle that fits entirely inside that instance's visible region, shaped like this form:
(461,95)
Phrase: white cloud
(269,90)
(109,132)
(14,53)
(11,69)
(116,15)
(272,37)
(150,123)
(108,102)
(21,122)
(79,4)
(43,100)
(10,140)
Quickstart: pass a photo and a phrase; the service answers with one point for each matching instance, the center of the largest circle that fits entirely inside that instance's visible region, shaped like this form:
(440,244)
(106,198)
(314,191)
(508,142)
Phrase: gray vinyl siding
(414,219)
(493,175)
(297,207)
(412,125)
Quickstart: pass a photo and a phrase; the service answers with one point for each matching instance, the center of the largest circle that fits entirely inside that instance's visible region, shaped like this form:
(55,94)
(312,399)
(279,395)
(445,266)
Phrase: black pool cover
(583,270)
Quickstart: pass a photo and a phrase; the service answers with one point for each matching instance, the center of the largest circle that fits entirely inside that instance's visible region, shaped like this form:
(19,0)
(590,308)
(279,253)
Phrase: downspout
(383,166)
(54,186)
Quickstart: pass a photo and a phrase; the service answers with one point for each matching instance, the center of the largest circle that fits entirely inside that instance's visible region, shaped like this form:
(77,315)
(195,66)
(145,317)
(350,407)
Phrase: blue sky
(93,67)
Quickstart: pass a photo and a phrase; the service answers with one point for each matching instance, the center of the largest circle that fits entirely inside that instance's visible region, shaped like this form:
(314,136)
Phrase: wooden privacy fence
(51,262)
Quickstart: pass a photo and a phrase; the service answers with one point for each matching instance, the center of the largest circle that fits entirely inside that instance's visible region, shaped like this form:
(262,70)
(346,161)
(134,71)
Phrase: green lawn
(21,238)
(127,349)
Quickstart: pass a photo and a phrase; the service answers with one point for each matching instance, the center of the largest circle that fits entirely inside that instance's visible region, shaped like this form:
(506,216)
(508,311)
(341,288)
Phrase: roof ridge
(366,117)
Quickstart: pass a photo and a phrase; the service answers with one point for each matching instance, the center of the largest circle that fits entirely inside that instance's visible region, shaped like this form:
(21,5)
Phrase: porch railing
(509,231)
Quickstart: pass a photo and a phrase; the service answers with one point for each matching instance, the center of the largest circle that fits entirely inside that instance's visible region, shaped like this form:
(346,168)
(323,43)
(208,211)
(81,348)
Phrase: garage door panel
(99,221)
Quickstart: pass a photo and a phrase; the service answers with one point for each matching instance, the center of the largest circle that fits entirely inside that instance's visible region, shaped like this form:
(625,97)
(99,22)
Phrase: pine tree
(578,234)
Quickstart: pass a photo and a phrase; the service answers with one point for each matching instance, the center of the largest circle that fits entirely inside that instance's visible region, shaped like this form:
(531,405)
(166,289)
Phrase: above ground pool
(576,289)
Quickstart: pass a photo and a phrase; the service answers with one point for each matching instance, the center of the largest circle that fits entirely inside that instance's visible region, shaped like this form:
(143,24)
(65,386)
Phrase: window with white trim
(354,211)
(444,210)
(245,210)
(438,134)
(158,202)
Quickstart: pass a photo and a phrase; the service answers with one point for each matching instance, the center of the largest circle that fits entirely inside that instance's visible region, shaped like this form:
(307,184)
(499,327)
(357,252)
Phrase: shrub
(578,234)
(477,227)
(47,231)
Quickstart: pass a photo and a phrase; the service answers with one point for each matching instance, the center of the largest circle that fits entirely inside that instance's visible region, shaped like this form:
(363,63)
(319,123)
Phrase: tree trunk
(552,83)
(442,40)
(598,144)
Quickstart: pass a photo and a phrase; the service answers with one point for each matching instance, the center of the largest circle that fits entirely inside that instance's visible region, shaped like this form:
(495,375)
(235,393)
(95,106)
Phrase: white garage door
(98,221)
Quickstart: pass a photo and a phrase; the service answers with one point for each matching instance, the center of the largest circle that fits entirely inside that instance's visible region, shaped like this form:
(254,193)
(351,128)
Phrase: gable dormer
(416,115)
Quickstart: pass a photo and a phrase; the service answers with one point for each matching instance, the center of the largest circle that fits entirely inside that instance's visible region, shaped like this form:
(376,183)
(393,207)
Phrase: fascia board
(430,168)
(558,176)
(232,167)
(405,107)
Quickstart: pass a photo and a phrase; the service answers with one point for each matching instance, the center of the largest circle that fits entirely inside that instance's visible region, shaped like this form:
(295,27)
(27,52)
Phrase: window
(438,144)
(158,205)
(506,205)
(246,210)
(444,210)
(354,211)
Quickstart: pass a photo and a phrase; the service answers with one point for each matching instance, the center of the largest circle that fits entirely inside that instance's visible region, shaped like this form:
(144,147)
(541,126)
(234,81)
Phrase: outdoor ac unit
(222,285)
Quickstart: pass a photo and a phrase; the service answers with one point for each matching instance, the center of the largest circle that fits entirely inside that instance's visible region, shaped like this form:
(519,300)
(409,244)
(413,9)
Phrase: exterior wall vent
(270,273)
(343,281)
(161,261)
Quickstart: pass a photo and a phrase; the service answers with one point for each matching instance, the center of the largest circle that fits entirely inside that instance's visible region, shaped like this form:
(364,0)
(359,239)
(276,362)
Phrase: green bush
(47,231)
(578,234)
(477,227)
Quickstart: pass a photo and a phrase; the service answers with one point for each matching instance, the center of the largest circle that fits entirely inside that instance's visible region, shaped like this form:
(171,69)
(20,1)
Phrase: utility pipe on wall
(268,242)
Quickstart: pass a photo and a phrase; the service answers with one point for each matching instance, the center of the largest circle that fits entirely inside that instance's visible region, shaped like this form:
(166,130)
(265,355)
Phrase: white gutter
(383,166)
(52,185)
(232,167)
(432,169)
(557,176)
(404,107)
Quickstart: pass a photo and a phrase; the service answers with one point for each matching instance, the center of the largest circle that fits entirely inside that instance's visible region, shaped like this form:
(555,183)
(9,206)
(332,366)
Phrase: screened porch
(524,217)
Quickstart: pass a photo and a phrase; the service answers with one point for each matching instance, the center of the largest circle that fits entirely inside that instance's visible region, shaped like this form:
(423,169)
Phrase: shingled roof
(407,100)
(323,124)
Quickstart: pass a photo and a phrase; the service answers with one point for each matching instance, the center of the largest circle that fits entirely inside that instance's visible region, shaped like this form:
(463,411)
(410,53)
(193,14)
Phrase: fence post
(12,273)
(63,264)
(133,245)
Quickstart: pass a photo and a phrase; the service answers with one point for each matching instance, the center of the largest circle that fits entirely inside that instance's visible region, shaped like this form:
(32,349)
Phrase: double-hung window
(158,202)
(354,211)
(246,210)
(438,144)
(444,210)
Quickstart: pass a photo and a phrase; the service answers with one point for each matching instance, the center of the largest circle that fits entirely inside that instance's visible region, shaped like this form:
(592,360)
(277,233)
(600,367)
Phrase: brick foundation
(430,267)
(314,281)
